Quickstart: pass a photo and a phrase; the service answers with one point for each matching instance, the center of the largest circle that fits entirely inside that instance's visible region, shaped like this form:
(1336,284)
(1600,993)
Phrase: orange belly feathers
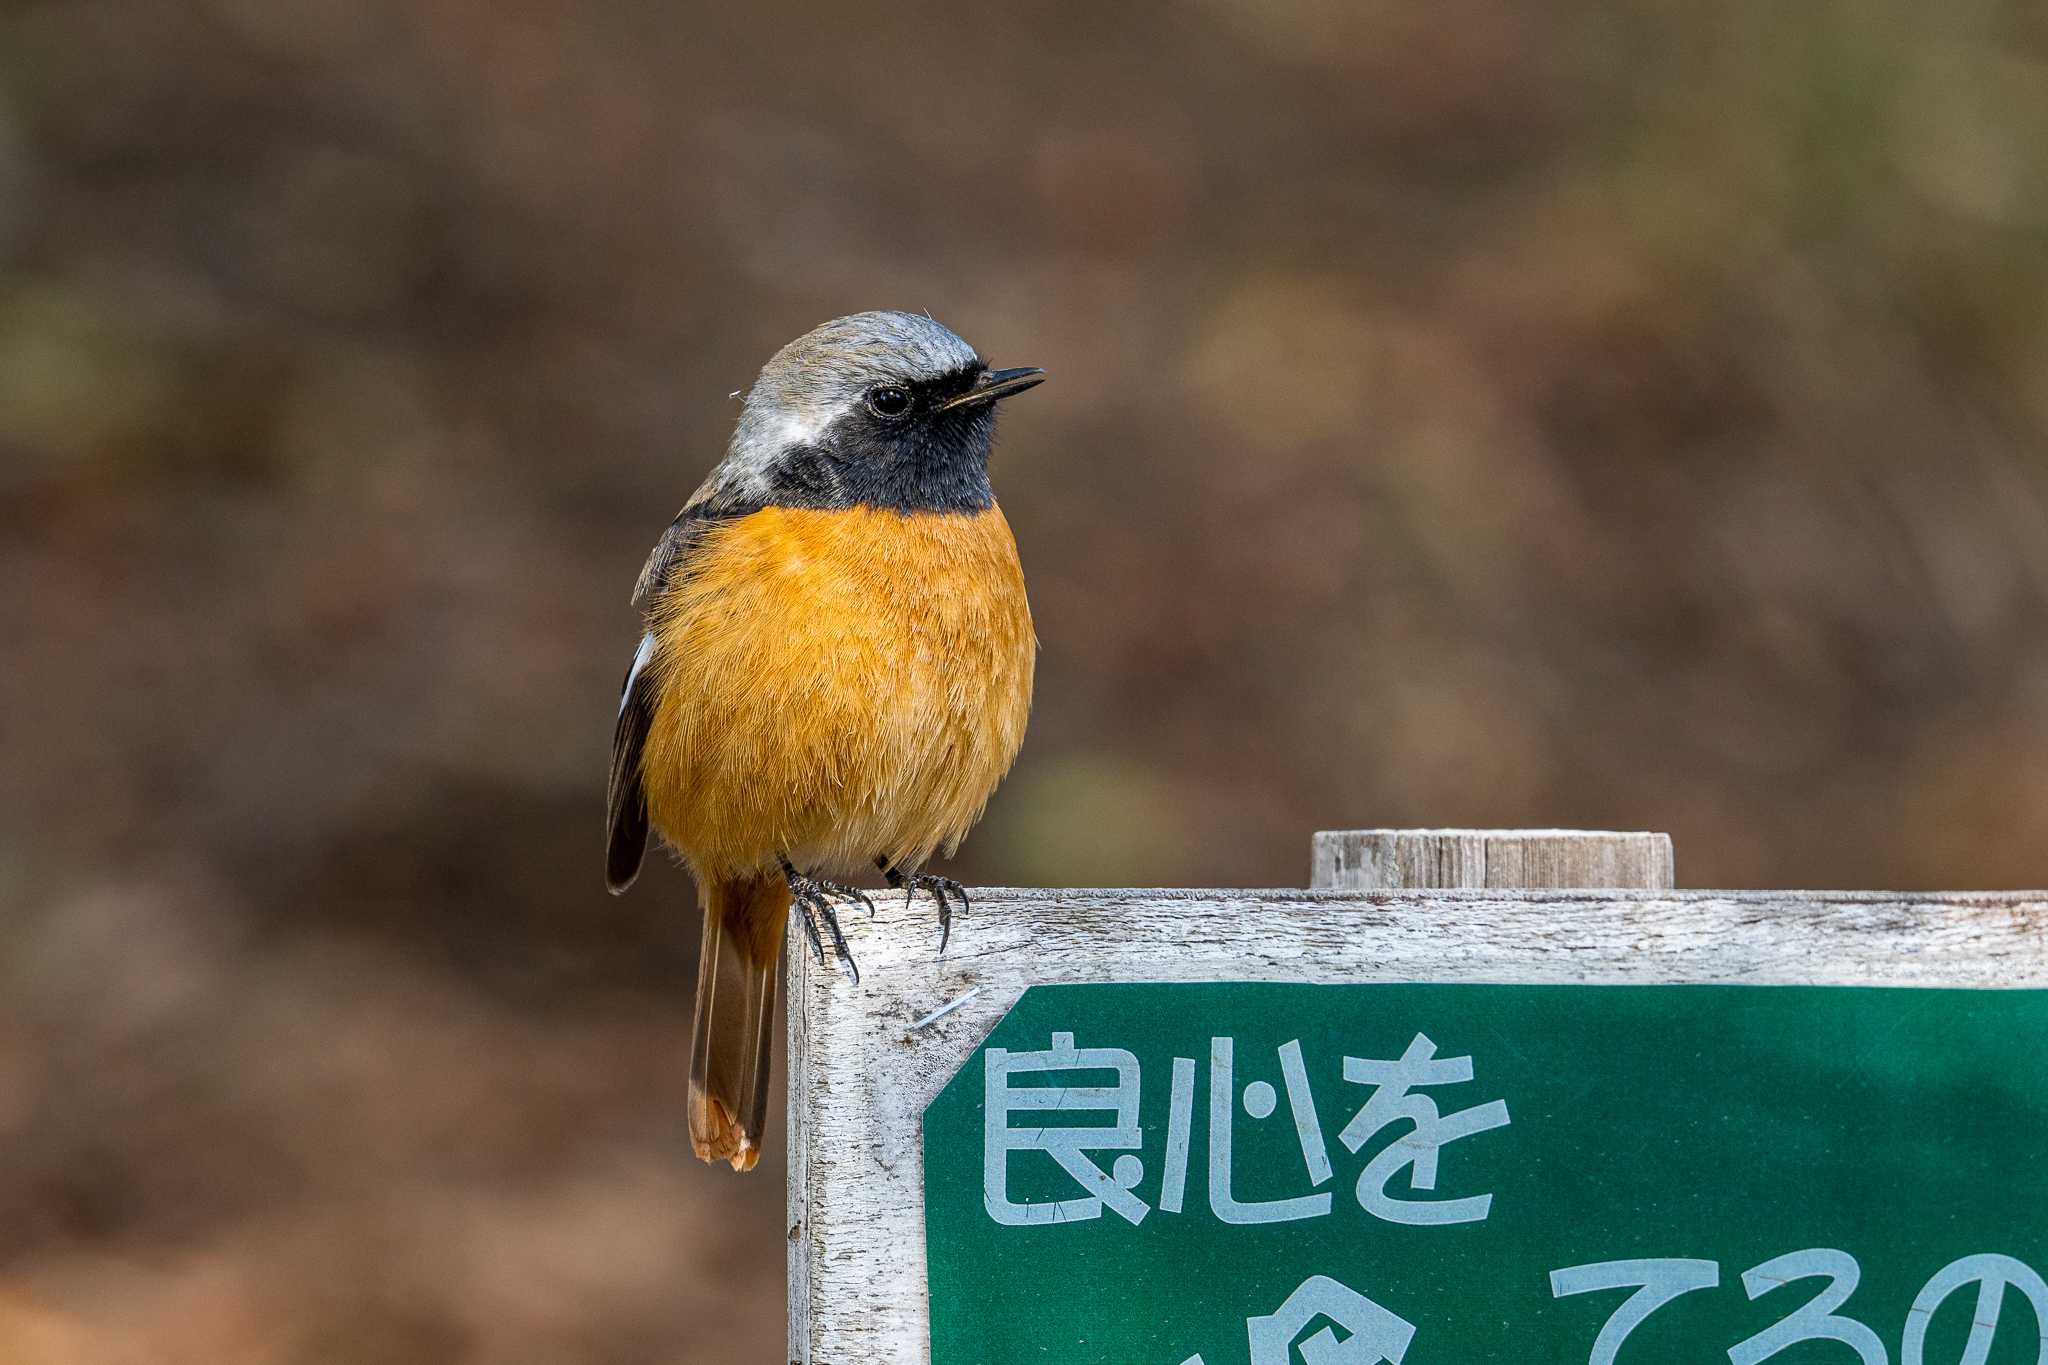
(837,686)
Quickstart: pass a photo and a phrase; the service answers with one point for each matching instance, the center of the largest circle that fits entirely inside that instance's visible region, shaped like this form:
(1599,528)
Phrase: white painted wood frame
(863,1063)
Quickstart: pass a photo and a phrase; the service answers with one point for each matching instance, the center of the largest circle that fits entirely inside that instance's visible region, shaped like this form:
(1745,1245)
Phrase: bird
(834,673)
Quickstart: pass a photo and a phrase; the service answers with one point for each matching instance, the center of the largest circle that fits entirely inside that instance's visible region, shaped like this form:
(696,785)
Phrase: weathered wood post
(1728,1121)
(1489,860)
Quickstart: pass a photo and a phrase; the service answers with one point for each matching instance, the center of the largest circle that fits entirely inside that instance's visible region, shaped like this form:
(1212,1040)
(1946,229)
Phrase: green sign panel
(1262,1174)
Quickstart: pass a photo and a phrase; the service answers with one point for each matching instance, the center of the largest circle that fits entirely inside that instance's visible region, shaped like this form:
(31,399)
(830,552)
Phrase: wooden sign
(868,1059)
(1216,1174)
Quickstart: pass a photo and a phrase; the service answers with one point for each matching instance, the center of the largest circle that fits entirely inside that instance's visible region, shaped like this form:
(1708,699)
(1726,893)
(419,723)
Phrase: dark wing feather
(668,551)
(626,814)
(625,826)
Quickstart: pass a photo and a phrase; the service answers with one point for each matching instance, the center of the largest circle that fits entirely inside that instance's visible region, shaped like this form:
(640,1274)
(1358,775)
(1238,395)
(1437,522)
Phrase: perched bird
(836,670)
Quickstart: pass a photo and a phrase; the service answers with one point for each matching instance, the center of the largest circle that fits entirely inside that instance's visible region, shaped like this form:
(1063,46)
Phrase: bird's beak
(995,384)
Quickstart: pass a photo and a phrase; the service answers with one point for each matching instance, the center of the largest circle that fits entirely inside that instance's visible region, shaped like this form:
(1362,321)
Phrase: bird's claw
(817,899)
(941,889)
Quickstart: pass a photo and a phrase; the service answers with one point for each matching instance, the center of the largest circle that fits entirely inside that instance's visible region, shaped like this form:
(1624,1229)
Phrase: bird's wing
(668,552)
(626,813)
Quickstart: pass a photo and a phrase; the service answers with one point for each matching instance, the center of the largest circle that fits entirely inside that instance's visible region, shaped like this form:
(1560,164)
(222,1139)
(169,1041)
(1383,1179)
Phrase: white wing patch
(640,658)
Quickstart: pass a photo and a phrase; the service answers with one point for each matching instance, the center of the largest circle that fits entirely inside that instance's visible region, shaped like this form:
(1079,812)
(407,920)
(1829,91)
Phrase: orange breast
(836,686)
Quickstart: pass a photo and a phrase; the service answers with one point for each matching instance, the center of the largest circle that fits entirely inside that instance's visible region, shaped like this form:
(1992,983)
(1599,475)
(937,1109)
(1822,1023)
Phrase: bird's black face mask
(907,447)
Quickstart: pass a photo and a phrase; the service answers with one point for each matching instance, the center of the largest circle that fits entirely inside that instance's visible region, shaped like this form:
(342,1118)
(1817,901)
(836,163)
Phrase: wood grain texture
(1496,859)
(860,1078)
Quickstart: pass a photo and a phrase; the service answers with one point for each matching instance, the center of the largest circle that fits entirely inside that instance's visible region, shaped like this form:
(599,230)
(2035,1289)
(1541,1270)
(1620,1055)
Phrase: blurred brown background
(1463,413)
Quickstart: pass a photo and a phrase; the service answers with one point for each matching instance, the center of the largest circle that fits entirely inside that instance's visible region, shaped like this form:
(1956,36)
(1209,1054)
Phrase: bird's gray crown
(824,372)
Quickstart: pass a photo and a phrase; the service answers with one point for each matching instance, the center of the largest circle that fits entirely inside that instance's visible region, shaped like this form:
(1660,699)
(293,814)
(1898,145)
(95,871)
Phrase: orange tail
(743,920)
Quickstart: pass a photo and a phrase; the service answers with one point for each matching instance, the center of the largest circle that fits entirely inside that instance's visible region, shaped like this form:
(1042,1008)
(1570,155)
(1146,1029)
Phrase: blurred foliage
(1463,414)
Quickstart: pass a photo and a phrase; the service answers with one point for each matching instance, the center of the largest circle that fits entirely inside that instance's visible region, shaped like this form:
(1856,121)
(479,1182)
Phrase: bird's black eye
(888,401)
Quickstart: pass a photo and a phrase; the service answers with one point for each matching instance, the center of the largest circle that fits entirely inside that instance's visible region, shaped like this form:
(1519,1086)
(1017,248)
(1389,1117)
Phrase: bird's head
(887,410)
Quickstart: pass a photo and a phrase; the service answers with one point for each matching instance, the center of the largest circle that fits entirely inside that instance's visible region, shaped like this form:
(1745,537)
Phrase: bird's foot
(817,900)
(941,888)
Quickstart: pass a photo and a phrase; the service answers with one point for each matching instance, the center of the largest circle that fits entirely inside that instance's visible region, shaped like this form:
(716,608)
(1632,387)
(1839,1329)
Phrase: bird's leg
(940,887)
(815,898)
